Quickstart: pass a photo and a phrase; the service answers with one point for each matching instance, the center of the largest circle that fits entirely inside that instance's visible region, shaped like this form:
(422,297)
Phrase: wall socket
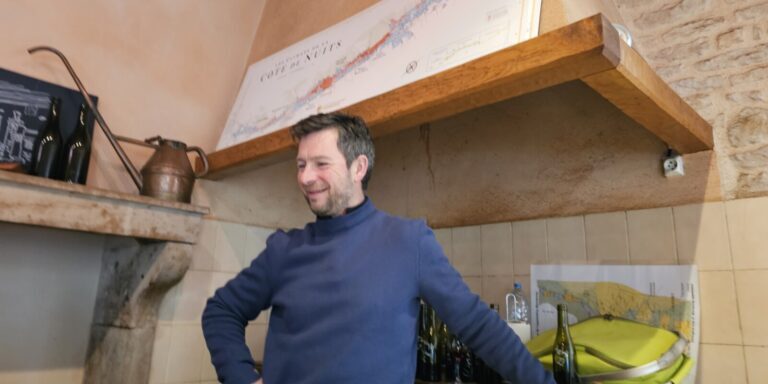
(673,164)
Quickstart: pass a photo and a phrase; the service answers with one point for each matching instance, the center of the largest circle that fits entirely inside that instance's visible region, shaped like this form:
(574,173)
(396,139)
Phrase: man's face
(327,183)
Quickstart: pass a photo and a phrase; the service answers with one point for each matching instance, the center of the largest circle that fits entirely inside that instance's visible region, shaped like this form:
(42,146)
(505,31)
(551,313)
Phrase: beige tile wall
(728,241)
(180,355)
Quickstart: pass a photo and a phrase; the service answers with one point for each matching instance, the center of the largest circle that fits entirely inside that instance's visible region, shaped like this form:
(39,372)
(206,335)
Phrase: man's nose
(307,175)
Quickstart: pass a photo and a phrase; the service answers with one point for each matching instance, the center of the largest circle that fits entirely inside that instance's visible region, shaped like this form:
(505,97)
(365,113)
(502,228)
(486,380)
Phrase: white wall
(48,282)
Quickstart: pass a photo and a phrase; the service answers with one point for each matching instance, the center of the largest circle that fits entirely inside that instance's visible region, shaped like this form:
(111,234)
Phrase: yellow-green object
(615,350)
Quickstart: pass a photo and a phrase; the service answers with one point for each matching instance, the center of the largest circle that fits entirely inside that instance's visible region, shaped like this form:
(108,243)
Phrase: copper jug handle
(203,157)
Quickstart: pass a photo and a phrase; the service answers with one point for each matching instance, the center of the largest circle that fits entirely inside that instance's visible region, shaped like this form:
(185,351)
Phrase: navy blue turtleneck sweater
(345,296)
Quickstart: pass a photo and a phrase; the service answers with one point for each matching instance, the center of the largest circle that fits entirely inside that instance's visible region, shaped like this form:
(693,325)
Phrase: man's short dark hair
(354,136)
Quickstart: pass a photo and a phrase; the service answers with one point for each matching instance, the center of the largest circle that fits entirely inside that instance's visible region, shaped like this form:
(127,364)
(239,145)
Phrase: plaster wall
(48,283)
(169,67)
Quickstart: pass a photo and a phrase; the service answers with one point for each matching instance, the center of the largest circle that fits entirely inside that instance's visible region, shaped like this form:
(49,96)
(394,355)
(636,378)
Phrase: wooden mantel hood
(588,50)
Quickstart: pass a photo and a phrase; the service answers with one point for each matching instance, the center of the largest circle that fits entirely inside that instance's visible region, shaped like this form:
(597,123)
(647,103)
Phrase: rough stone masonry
(714,54)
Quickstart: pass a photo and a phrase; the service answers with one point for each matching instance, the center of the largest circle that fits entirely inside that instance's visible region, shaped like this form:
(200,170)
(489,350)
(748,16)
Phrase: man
(345,290)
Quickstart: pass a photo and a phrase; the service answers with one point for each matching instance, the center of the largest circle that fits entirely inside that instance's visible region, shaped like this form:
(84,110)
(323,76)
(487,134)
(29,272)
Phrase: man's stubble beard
(337,203)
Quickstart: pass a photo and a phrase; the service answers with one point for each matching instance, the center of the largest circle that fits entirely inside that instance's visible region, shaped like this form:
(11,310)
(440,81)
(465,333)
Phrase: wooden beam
(640,93)
(569,53)
(589,50)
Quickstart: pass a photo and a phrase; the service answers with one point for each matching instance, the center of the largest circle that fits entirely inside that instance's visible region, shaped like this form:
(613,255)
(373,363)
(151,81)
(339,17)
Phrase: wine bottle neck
(562,318)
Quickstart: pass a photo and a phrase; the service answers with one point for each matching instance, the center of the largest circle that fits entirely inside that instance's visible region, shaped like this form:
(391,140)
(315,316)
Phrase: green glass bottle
(78,150)
(49,146)
(563,354)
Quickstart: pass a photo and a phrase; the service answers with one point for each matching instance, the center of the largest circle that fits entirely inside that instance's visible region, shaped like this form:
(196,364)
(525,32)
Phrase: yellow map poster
(665,296)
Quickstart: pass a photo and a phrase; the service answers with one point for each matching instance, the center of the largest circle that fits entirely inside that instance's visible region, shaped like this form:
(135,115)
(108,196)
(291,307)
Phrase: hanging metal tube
(135,175)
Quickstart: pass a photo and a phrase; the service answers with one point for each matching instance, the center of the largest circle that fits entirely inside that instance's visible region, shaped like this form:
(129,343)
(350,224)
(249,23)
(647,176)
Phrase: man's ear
(359,167)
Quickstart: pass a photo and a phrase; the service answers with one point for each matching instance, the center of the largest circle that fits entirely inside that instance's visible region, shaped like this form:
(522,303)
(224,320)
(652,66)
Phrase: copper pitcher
(168,174)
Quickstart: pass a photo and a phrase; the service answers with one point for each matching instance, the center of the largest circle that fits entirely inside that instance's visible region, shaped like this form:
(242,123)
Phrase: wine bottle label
(561,358)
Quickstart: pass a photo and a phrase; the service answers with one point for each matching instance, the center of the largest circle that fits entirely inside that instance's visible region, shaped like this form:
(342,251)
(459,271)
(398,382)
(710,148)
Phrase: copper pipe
(103,124)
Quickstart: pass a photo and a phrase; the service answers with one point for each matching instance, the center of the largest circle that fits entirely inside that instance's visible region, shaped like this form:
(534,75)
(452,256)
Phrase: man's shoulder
(402,222)
(281,238)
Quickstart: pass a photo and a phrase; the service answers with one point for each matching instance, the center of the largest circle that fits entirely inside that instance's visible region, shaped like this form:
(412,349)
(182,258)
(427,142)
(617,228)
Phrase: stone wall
(714,53)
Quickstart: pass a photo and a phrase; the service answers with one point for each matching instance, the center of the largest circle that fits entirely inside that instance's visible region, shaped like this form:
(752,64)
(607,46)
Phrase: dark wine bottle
(450,351)
(431,362)
(78,150)
(420,347)
(467,365)
(444,353)
(563,354)
(49,145)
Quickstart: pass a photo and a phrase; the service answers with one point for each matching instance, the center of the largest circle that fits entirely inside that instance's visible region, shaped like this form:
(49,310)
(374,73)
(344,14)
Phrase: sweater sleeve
(228,312)
(471,319)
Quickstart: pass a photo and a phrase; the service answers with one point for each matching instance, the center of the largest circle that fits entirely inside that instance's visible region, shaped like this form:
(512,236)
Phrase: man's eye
(301,166)
(322,164)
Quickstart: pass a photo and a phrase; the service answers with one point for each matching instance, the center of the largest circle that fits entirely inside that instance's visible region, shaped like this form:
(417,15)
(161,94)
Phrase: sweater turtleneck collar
(326,225)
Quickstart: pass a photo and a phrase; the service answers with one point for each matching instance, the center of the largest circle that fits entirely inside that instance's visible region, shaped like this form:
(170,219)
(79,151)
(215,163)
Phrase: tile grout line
(584,233)
(733,270)
(546,240)
(733,276)
(674,234)
(626,233)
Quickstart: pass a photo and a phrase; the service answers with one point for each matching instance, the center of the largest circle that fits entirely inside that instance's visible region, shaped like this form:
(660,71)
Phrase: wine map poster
(390,44)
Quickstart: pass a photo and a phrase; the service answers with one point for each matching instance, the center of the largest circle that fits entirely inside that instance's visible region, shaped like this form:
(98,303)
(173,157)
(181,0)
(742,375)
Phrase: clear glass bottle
(517,313)
(517,305)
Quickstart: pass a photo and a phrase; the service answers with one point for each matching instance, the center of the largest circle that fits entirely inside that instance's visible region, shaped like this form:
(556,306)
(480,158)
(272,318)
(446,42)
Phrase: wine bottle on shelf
(466,364)
(431,336)
(445,355)
(49,145)
(78,150)
(427,365)
(563,354)
(420,349)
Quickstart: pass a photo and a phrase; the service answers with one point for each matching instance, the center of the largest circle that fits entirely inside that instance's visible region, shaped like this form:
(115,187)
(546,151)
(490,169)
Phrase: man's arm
(228,312)
(471,319)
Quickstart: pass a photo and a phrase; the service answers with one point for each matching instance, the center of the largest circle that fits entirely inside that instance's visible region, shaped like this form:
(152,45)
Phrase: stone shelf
(135,273)
(32,200)
(588,50)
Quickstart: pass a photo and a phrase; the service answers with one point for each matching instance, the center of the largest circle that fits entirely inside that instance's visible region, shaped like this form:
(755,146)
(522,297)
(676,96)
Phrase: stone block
(753,12)
(703,27)
(760,96)
(688,50)
(759,32)
(749,127)
(668,72)
(729,38)
(753,76)
(700,101)
(692,85)
(752,184)
(743,57)
(679,10)
(752,160)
